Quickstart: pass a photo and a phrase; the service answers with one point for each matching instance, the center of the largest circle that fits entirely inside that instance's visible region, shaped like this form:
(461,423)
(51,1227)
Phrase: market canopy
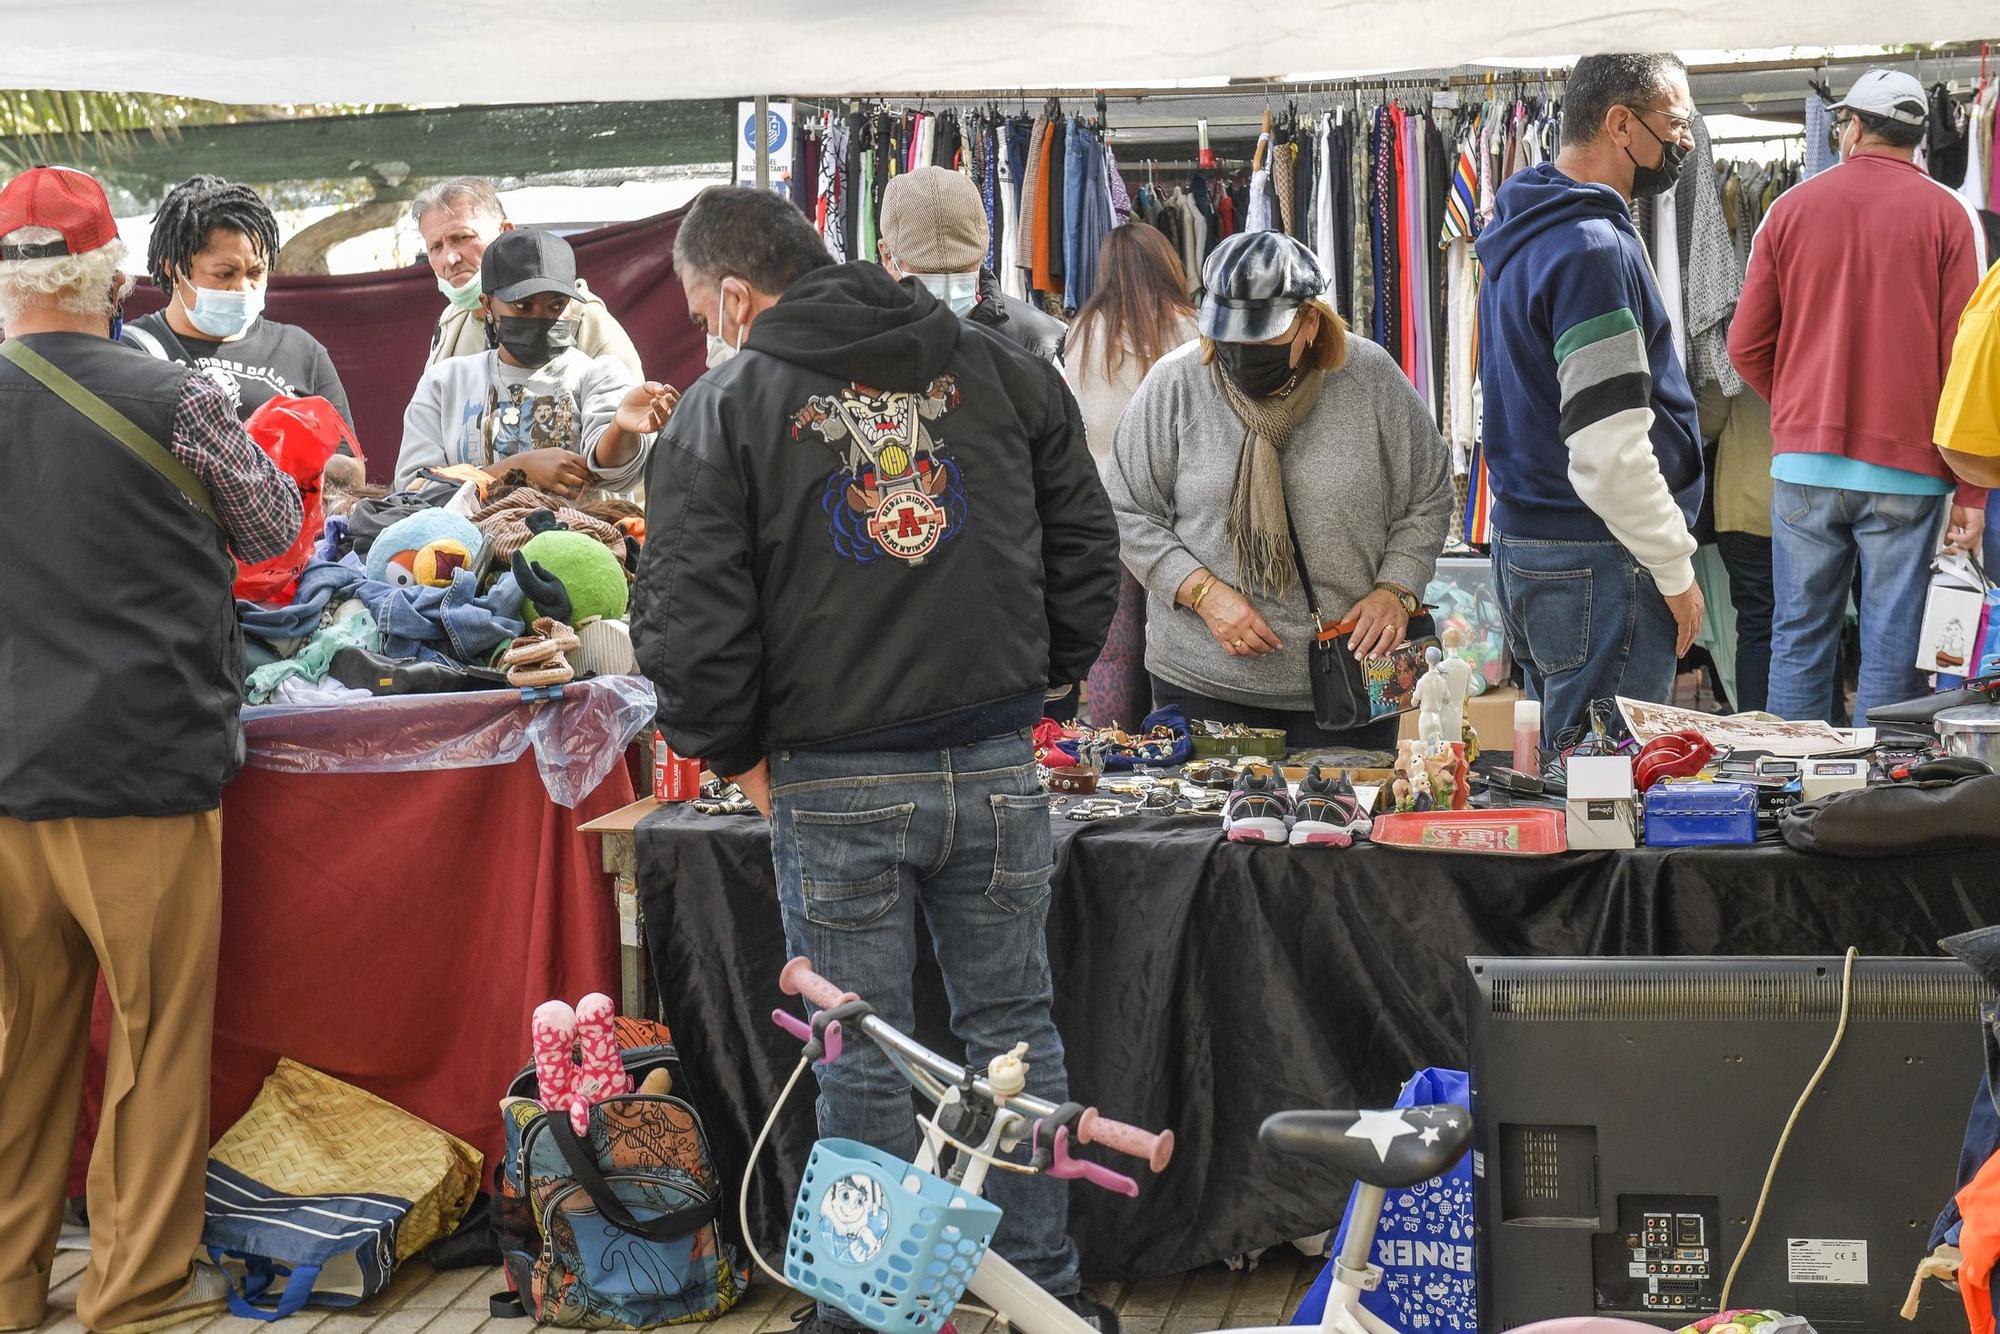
(428,51)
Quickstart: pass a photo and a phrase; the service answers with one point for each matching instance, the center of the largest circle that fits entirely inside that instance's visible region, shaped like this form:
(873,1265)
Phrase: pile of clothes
(461,582)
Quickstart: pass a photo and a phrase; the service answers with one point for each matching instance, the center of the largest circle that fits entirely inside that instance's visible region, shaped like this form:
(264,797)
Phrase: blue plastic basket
(893,1258)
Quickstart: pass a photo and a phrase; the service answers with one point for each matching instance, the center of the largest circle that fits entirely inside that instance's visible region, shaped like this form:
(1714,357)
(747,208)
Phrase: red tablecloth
(397,931)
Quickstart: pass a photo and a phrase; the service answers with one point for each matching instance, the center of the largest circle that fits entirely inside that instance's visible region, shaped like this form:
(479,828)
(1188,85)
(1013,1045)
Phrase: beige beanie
(934,221)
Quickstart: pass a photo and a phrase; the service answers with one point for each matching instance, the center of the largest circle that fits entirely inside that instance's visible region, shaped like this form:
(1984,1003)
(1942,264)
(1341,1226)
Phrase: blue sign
(775,134)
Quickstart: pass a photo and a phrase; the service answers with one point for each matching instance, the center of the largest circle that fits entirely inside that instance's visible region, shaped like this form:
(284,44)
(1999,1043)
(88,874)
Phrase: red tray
(1512,832)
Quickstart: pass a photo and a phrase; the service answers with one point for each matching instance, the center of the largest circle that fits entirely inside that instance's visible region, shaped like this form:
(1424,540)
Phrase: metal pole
(762,139)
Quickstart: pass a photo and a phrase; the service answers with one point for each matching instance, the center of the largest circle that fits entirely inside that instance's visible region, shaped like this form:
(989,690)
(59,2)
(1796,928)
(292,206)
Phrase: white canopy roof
(430,51)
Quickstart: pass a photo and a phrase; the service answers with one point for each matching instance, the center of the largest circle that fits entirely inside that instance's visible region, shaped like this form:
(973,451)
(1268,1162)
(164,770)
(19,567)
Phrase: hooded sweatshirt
(1590,425)
(878,527)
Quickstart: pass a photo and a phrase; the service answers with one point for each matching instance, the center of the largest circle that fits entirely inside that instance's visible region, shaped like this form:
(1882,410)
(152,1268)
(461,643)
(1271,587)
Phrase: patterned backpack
(616,1229)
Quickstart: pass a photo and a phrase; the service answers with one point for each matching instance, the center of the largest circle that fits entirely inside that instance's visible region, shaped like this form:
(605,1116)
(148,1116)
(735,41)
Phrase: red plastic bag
(300,435)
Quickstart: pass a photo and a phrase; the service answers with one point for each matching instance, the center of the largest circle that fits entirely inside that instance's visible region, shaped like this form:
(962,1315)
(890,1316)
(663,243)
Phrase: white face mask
(960,291)
(223,314)
(720,349)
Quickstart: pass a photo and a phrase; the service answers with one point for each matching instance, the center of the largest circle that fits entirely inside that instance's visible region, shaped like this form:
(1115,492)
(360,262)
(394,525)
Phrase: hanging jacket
(877,528)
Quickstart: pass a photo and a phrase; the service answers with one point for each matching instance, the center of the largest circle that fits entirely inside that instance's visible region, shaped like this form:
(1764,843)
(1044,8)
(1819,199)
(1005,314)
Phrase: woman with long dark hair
(1139,314)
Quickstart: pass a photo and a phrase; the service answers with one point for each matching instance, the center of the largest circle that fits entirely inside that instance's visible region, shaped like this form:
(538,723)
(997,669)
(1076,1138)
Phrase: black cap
(526,261)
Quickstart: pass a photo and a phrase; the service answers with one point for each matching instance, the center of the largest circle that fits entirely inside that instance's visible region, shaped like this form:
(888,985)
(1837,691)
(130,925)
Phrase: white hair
(80,284)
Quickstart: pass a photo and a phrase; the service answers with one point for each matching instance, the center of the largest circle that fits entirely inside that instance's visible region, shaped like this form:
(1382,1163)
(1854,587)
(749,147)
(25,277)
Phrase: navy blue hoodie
(1590,425)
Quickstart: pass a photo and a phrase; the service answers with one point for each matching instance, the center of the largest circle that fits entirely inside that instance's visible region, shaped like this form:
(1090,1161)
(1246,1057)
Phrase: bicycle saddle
(1915,716)
(1391,1149)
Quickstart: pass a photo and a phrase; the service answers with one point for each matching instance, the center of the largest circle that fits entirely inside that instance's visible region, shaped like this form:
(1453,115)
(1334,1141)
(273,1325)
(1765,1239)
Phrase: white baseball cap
(1890,94)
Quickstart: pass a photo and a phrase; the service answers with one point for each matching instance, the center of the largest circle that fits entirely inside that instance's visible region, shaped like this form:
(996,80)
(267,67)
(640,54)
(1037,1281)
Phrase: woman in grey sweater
(1274,403)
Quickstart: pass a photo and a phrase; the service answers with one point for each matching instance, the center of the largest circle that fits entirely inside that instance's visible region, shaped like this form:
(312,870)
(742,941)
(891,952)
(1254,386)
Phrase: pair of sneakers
(1324,814)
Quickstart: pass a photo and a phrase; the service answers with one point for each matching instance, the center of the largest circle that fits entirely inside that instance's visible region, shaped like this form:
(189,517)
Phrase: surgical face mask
(1650,181)
(222,314)
(465,297)
(960,291)
(534,342)
(720,349)
(1259,369)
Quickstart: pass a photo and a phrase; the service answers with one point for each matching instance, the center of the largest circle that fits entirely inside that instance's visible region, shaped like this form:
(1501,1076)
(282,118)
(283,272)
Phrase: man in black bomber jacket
(876,542)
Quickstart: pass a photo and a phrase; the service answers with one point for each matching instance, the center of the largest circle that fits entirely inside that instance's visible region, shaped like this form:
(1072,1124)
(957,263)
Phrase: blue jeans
(1585,622)
(860,840)
(1818,533)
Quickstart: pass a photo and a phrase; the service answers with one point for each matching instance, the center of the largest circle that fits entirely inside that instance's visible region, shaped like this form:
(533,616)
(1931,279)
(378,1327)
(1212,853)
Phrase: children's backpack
(616,1229)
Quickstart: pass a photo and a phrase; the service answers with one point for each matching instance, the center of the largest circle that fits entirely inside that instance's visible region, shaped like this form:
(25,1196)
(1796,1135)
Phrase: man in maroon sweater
(1846,322)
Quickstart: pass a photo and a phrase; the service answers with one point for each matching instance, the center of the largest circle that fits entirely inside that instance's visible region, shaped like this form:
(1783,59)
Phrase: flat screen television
(1628,1110)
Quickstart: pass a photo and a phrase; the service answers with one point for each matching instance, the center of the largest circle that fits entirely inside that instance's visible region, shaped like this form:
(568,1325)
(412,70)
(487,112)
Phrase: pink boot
(602,1074)
(553,1034)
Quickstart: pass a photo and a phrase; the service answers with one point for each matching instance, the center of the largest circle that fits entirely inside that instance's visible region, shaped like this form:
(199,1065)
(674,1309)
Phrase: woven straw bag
(310,1134)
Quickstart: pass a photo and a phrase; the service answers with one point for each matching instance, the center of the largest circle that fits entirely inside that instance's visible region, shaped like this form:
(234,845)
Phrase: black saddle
(1915,717)
(1391,1149)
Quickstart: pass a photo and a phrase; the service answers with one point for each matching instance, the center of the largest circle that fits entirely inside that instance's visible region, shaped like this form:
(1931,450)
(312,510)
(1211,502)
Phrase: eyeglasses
(1681,125)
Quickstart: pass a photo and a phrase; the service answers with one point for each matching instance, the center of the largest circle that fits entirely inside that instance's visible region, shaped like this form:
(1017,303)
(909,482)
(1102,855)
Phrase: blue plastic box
(1700,815)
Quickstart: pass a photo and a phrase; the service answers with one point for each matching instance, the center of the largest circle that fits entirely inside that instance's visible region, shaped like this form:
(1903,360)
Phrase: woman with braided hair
(211,252)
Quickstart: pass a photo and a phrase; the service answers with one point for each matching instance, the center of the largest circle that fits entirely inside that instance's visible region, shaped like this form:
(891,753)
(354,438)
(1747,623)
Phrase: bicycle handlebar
(1155,1150)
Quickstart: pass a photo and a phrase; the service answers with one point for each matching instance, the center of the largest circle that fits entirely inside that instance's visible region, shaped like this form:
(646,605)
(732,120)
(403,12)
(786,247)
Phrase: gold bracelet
(1200,592)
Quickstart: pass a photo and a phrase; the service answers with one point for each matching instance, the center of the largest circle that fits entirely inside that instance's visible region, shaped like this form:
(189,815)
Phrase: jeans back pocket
(1553,608)
(1024,851)
(851,862)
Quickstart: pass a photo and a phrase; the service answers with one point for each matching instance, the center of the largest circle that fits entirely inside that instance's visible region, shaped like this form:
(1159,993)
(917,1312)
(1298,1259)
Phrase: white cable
(1777,1155)
(750,1174)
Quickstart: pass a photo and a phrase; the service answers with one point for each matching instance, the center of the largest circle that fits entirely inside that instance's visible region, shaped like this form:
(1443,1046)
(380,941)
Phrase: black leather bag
(1942,814)
(1349,693)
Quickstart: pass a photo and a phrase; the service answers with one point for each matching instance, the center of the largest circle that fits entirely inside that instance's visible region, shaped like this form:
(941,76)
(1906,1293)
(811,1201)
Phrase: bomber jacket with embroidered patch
(877,528)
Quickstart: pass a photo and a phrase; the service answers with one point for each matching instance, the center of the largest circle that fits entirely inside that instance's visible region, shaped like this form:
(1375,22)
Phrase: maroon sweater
(1857,279)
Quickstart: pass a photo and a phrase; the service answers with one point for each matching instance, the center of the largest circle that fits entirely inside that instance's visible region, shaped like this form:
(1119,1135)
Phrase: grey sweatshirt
(1369,483)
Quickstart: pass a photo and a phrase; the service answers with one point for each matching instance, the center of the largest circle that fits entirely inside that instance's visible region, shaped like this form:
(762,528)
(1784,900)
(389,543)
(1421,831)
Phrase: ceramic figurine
(1433,696)
(1458,676)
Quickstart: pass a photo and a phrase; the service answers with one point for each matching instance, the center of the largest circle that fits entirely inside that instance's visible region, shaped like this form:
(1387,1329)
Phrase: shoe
(1259,809)
(1328,815)
(359,669)
(1095,1314)
(207,1295)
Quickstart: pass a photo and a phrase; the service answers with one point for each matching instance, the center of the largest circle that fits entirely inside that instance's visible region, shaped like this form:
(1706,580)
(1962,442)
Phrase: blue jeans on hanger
(1079,154)
(1818,535)
(860,840)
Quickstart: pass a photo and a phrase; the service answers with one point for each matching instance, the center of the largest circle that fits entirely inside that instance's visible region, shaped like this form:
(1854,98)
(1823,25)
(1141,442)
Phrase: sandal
(536,658)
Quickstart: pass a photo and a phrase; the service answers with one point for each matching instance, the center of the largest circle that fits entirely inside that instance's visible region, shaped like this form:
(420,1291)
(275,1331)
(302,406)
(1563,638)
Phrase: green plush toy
(572,577)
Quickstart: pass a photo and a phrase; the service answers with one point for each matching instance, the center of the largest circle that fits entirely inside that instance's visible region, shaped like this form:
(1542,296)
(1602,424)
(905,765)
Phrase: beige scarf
(1257,526)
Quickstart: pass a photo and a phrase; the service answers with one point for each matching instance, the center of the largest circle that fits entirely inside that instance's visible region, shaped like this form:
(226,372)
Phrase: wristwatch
(1410,602)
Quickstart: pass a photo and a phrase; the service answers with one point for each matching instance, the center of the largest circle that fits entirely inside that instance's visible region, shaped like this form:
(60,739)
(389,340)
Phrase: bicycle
(897,1244)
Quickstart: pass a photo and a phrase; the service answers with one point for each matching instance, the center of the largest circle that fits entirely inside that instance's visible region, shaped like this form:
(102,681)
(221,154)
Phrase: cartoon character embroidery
(896,492)
(854,1218)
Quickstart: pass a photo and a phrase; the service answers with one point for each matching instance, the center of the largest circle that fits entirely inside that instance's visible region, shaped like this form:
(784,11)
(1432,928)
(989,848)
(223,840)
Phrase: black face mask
(1260,370)
(533,342)
(1650,181)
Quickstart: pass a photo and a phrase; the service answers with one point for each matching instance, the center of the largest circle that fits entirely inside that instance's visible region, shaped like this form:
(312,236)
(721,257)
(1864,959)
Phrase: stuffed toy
(579,582)
(577,1062)
(423,550)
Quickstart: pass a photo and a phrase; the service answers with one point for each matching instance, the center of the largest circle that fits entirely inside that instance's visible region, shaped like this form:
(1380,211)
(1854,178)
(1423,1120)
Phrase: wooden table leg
(635,974)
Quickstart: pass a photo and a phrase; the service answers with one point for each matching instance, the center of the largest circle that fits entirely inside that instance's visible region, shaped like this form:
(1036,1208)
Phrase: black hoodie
(877,528)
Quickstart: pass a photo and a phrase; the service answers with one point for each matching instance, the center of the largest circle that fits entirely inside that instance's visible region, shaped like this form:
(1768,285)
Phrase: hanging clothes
(1034,208)
(1261,198)
(1945,138)
(1325,243)
(1712,278)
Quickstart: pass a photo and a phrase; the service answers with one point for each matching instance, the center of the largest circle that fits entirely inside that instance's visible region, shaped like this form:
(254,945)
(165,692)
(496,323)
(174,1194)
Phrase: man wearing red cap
(129,484)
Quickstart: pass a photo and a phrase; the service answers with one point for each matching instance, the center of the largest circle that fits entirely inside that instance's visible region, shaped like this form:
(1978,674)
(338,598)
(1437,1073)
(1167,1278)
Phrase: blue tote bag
(284,1251)
(1425,1242)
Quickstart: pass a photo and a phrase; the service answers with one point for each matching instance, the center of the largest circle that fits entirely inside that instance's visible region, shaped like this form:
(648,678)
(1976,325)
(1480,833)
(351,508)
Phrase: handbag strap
(1299,560)
(112,422)
(582,1164)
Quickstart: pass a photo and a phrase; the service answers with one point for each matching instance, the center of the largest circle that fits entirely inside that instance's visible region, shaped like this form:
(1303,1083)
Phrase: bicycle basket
(891,1246)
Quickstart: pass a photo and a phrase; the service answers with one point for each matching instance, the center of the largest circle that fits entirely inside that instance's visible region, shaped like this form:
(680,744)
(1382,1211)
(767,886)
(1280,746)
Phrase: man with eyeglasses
(1591,431)
(1857,279)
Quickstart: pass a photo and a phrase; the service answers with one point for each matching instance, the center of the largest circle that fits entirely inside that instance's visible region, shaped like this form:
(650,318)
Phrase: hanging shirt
(1260,190)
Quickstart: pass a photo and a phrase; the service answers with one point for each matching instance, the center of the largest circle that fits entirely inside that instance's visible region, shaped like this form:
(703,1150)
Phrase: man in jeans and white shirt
(1590,424)
(1856,282)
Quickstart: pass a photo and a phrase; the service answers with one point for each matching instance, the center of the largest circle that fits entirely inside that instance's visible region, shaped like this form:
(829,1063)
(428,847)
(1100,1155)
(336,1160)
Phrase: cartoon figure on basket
(896,493)
(1951,644)
(561,1035)
(854,1218)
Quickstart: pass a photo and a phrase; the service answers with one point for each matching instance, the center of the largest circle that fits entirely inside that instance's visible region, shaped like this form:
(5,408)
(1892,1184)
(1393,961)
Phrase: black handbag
(1347,692)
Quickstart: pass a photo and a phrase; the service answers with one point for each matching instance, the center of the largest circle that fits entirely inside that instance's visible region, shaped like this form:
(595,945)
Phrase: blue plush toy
(423,549)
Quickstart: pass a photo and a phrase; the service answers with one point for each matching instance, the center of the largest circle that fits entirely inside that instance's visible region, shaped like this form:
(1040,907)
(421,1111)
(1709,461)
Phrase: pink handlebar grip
(799,979)
(1067,1168)
(1156,1151)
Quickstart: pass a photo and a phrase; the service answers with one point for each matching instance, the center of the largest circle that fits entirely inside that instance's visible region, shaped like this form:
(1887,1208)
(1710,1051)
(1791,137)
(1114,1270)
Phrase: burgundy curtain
(377,326)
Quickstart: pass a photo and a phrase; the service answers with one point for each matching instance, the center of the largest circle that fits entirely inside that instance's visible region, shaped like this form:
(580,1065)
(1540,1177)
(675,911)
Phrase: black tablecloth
(1202,985)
